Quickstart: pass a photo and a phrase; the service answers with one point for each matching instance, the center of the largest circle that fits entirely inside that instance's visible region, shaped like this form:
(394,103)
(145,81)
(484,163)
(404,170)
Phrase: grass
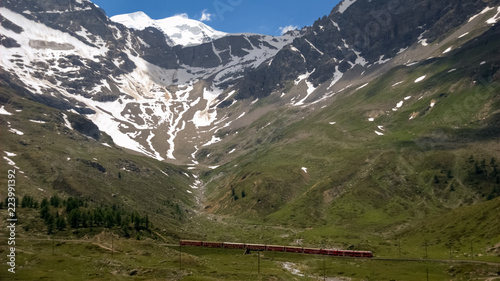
(405,194)
(378,186)
(150,260)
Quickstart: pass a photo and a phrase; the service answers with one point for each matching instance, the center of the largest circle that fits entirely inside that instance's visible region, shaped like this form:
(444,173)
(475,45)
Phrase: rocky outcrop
(364,33)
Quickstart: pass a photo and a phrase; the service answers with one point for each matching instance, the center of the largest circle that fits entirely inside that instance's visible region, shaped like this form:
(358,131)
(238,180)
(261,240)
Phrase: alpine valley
(377,128)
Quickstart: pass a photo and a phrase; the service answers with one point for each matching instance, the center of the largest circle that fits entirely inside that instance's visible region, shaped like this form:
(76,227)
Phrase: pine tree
(50,224)
(110,220)
(84,219)
(44,203)
(44,212)
(61,223)
(74,218)
(55,201)
(24,202)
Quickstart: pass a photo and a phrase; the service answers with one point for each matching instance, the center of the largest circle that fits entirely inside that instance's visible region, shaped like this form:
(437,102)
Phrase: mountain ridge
(178,30)
(376,131)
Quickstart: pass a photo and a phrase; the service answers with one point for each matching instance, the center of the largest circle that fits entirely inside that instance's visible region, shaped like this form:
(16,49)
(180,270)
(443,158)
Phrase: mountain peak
(179,28)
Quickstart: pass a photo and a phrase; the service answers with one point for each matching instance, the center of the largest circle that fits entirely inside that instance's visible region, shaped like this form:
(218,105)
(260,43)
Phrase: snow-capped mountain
(179,29)
(173,102)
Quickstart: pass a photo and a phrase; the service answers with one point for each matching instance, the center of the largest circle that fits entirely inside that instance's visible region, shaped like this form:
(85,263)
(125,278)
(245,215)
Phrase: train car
(255,247)
(366,254)
(212,244)
(313,251)
(350,253)
(275,248)
(290,249)
(190,243)
(230,245)
(330,252)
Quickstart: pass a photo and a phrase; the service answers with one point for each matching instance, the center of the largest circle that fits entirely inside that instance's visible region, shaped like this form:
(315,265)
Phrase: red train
(277,248)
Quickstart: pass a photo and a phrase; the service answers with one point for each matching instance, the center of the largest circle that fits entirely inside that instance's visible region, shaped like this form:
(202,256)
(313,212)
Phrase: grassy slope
(54,159)
(370,185)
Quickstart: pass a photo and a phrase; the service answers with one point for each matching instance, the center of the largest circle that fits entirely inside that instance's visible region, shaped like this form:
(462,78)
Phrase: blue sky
(234,16)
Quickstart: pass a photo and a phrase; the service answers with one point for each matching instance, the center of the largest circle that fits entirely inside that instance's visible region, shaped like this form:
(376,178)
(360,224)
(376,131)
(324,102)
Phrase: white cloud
(205,16)
(287,28)
(183,15)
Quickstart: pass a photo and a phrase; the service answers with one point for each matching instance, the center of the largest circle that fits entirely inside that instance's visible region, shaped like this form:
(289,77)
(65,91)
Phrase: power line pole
(180,255)
(399,248)
(112,246)
(258,262)
(425,244)
(471,251)
(324,268)
(427,271)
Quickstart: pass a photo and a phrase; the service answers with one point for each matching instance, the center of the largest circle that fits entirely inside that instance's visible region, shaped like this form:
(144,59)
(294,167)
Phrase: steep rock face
(361,33)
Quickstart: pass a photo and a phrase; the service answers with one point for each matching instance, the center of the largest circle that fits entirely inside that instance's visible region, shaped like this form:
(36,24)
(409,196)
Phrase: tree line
(74,213)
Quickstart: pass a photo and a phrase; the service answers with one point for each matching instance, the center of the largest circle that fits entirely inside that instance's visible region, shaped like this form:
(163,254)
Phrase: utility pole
(180,255)
(323,244)
(471,251)
(425,249)
(399,248)
(451,245)
(324,268)
(258,261)
(427,271)
(52,245)
(112,246)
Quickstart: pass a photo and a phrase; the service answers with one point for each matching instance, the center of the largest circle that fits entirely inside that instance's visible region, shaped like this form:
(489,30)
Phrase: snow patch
(9,161)
(212,141)
(332,123)
(463,35)
(314,47)
(38,121)
(304,169)
(379,133)
(12,130)
(420,78)
(397,83)
(66,122)
(381,60)
(447,50)
(482,12)
(4,112)
(203,118)
(345,4)
(371,119)
(336,77)
(10,154)
(310,87)
(362,86)
(495,18)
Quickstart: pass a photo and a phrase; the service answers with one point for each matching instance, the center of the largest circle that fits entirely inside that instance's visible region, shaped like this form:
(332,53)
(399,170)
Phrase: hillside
(377,128)
(379,158)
